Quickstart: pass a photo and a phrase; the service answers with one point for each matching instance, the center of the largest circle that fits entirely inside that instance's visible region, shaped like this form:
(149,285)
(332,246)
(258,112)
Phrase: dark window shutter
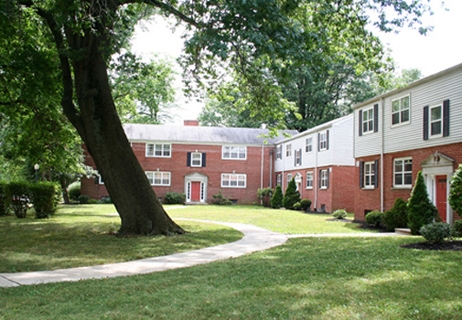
(425,123)
(204,158)
(445,118)
(96,180)
(360,121)
(319,141)
(361,174)
(376,117)
(376,173)
(300,152)
(319,179)
(327,139)
(188,159)
(295,158)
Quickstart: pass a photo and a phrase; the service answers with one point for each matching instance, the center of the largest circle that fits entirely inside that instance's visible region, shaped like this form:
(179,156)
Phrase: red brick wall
(370,199)
(339,195)
(215,166)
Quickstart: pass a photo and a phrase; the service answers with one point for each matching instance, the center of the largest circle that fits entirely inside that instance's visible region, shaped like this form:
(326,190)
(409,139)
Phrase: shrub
(103,200)
(3,206)
(44,198)
(174,198)
(276,199)
(396,217)
(73,190)
(458,228)
(220,199)
(292,196)
(455,191)
(92,201)
(83,199)
(264,195)
(374,218)
(305,204)
(339,214)
(436,232)
(297,206)
(421,210)
(17,197)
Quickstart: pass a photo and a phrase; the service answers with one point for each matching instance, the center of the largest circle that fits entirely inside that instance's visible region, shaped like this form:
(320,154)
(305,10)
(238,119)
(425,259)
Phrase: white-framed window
(323,141)
(289,178)
(309,144)
(279,152)
(369,174)
(402,172)
(279,179)
(233,180)
(324,179)
(234,152)
(196,159)
(368,120)
(436,121)
(158,178)
(162,150)
(400,110)
(309,180)
(288,150)
(298,157)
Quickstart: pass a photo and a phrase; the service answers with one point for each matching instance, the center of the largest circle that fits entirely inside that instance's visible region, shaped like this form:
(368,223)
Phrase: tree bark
(100,127)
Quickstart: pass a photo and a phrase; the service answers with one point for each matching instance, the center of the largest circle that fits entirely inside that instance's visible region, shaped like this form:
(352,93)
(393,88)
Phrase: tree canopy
(58,51)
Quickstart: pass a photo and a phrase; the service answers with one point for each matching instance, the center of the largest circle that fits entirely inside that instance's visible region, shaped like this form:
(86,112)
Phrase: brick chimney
(193,123)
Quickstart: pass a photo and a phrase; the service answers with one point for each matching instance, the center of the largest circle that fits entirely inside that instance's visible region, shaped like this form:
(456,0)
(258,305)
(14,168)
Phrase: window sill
(401,188)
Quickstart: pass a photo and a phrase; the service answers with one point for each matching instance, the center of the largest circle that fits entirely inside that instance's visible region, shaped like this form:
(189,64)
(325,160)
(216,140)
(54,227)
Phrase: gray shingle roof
(197,134)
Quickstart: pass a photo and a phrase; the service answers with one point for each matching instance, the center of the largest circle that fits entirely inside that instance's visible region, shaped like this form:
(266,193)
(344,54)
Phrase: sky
(438,50)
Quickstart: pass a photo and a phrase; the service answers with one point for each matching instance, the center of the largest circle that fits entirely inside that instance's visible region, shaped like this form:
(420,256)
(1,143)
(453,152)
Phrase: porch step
(403,231)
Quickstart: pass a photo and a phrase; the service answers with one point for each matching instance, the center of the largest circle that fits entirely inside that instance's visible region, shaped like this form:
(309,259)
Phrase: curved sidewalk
(254,239)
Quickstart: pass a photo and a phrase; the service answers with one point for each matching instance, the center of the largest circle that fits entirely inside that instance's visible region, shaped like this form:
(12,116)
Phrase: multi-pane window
(324,179)
(323,140)
(158,178)
(368,120)
(279,152)
(402,172)
(288,150)
(400,110)
(279,180)
(234,152)
(196,159)
(369,174)
(158,150)
(436,117)
(298,157)
(309,179)
(289,178)
(233,180)
(309,144)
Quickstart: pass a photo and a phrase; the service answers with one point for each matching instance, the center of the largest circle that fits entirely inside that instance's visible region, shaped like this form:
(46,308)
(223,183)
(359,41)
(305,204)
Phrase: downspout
(262,164)
(382,102)
(271,168)
(316,181)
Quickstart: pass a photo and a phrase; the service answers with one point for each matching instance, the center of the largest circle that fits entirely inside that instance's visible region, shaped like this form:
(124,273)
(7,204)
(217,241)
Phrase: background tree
(421,211)
(143,92)
(72,42)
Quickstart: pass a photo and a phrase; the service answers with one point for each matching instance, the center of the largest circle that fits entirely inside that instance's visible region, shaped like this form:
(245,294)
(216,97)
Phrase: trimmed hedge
(174,198)
(3,207)
(44,198)
(17,197)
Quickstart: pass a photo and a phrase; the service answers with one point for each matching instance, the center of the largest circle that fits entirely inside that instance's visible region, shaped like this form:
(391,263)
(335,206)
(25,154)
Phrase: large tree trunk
(99,126)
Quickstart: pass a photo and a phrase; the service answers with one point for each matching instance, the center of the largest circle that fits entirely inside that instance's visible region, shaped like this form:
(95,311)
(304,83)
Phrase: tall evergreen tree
(292,196)
(421,211)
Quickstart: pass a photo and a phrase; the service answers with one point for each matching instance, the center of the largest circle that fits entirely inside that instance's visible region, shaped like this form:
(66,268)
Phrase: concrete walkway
(254,239)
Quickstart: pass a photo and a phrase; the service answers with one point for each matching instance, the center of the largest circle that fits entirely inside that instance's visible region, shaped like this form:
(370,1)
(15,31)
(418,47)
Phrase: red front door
(195,191)
(441,196)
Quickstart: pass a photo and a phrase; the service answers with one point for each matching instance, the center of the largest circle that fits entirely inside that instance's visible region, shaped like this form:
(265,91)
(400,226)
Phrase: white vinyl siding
(233,180)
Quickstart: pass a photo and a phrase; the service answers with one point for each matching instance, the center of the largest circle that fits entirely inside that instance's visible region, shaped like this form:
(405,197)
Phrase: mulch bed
(447,246)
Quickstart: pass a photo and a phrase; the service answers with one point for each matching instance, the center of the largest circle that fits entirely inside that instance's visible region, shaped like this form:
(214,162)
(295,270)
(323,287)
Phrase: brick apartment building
(199,161)
(322,163)
(411,129)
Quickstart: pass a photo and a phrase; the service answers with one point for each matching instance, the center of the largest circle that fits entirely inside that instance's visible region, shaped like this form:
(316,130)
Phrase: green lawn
(307,278)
